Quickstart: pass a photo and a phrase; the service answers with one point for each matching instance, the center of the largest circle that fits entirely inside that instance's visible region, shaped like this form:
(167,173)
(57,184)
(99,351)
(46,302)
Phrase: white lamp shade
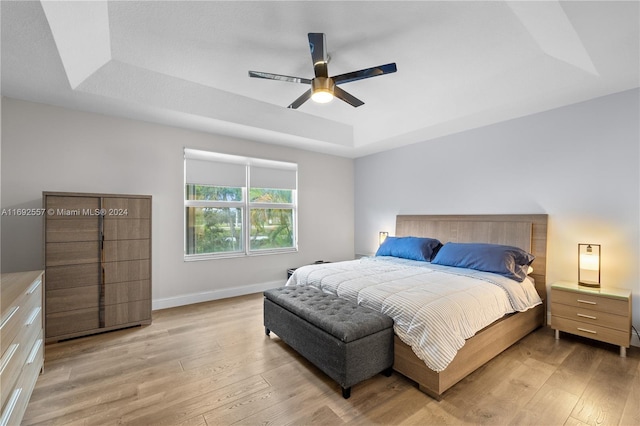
(589,262)
(382,235)
(589,265)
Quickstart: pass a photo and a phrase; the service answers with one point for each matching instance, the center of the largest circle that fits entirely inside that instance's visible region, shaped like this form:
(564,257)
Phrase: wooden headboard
(526,231)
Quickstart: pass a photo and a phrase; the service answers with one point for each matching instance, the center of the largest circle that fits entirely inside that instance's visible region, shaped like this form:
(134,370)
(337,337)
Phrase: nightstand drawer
(590,301)
(592,331)
(590,316)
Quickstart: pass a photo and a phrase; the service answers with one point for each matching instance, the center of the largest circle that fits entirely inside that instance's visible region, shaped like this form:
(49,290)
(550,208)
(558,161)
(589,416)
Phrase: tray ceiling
(461,65)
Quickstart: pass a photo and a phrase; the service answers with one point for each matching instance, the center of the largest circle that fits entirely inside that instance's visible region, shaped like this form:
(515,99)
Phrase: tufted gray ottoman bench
(349,343)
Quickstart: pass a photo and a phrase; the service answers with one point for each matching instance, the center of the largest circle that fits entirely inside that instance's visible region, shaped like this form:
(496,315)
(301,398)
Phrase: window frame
(245,205)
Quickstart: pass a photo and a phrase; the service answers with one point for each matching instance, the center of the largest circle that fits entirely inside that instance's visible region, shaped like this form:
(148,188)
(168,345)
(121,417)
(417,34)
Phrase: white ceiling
(461,65)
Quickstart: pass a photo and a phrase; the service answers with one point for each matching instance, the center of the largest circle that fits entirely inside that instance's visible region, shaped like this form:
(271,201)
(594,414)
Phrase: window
(238,206)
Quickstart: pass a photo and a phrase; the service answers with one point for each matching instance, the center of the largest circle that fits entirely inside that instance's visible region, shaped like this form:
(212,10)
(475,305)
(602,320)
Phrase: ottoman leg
(346,392)
(267,331)
(388,372)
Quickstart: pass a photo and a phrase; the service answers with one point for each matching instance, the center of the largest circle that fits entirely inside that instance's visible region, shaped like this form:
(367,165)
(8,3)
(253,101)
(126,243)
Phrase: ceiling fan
(323,87)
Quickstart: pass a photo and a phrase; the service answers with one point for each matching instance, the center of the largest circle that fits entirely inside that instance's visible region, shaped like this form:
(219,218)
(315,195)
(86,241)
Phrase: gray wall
(580,164)
(47,148)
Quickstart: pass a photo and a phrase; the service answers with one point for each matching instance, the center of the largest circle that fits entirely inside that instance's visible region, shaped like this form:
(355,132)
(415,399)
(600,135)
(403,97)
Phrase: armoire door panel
(63,207)
(126,229)
(133,270)
(123,313)
(75,229)
(127,292)
(68,299)
(116,250)
(72,253)
(132,208)
(71,276)
(59,324)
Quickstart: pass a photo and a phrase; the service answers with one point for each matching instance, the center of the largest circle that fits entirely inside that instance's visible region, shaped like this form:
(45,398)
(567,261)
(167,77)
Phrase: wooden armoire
(97,250)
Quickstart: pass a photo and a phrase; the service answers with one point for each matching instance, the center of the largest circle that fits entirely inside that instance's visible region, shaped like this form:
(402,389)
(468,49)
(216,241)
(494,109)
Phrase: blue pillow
(414,248)
(510,262)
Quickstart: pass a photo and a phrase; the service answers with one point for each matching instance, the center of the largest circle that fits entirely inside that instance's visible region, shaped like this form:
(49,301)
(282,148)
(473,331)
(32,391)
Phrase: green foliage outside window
(213,230)
(271,228)
(219,229)
(213,193)
(262,195)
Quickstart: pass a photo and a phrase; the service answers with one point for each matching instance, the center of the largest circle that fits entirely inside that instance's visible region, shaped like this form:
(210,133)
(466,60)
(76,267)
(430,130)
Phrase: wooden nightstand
(602,314)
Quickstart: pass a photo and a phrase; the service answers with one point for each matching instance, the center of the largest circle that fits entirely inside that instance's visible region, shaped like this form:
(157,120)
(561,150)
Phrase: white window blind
(266,177)
(206,172)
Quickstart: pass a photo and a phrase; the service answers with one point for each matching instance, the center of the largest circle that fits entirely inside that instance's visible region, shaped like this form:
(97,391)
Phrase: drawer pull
(9,315)
(33,316)
(11,405)
(7,356)
(34,286)
(588,302)
(587,331)
(587,316)
(34,352)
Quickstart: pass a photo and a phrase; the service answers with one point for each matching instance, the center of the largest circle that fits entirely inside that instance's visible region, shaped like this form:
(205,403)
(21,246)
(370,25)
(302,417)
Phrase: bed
(527,232)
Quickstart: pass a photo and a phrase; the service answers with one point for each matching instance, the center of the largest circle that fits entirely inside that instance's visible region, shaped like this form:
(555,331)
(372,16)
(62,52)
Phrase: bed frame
(528,232)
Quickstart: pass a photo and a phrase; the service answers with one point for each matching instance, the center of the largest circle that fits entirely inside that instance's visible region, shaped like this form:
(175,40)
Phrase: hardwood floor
(211,364)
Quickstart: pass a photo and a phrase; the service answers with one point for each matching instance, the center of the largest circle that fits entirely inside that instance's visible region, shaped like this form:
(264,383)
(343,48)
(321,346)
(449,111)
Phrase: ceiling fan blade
(302,99)
(347,97)
(279,77)
(365,73)
(318,46)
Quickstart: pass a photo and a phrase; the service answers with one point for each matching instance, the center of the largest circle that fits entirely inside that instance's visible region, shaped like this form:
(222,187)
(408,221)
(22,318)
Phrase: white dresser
(21,341)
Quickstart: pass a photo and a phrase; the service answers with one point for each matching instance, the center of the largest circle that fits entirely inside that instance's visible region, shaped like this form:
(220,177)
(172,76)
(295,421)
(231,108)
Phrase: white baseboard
(206,296)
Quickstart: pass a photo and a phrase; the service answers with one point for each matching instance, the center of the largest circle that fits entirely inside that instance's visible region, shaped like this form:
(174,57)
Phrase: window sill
(200,257)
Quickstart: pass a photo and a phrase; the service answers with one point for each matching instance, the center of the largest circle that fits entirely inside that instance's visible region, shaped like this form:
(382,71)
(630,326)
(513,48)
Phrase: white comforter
(435,308)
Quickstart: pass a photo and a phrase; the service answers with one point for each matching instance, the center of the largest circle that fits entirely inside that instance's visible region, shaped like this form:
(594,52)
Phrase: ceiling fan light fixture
(322,96)
(322,89)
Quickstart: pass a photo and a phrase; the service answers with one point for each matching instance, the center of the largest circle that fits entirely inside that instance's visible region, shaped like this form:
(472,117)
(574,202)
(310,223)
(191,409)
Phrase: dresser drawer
(17,314)
(590,316)
(126,229)
(127,292)
(119,250)
(20,322)
(10,367)
(589,301)
(17,403)
(61,324)
(68,299)
(10,410)
(592,331)
(70,276)
(124,313)
(14,358)
(22,342)
(131,270)
(12,321)
(73,253)
(76,229)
